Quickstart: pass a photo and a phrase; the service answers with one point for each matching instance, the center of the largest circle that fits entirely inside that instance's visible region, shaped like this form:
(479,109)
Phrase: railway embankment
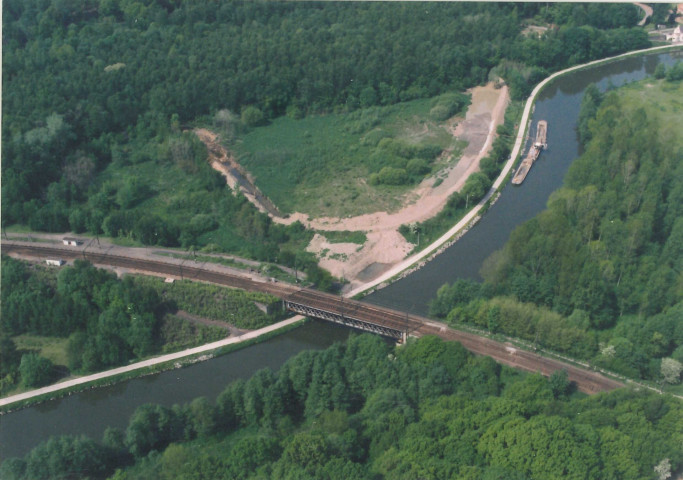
(587,380)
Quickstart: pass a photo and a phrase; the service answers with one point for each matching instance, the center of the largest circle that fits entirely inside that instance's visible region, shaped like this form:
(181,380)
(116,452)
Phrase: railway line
(337,307)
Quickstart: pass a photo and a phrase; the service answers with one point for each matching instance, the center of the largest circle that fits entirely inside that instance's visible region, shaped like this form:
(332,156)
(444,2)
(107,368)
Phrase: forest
(98,95)
(107,322)
(366,409)
(598,273)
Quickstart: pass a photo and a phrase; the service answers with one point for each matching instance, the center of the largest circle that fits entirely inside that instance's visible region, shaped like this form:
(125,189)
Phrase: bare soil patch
(237,177)
(385,246)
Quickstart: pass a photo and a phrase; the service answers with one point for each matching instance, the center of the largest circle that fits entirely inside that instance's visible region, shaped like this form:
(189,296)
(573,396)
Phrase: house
(74,242)
(676,36)
(55,262)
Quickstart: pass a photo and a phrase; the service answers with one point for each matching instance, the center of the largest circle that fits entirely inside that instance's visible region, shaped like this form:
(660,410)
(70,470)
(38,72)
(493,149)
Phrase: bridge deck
(343,308)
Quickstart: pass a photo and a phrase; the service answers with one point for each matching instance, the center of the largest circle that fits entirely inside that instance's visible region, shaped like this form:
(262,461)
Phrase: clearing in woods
(318,168)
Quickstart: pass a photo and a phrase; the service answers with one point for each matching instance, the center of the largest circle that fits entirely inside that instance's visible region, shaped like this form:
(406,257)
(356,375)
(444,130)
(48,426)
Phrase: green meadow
(659,97)
(347,164)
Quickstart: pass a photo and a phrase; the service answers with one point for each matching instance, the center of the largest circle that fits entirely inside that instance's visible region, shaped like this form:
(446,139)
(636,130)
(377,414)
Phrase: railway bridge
(350,313)
(360,315)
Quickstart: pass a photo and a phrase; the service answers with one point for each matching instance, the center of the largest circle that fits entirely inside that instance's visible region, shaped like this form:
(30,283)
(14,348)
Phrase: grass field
(321,165)
(661,98)
(52,348)
(170,190)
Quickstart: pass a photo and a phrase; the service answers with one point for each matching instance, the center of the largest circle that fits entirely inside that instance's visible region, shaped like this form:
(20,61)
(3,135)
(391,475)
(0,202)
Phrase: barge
(533,154)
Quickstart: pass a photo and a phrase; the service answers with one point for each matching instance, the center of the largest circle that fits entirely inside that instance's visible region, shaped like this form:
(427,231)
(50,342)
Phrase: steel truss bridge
(361,316)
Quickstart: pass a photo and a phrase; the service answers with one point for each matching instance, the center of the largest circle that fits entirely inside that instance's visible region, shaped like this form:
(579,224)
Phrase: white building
(74,242)
(676,36)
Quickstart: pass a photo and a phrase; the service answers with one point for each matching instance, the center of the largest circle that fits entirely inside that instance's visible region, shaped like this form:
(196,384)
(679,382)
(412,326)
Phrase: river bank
(147,367)
(465,257)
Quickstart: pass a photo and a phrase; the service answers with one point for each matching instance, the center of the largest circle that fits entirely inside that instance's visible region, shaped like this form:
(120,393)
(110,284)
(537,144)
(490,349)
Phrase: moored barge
(533,154)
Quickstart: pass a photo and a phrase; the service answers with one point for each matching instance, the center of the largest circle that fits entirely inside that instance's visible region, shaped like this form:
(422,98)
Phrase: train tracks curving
(587,380)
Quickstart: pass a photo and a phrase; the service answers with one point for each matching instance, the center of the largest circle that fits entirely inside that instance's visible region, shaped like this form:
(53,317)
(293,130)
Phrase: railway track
(167,268)
(587,381)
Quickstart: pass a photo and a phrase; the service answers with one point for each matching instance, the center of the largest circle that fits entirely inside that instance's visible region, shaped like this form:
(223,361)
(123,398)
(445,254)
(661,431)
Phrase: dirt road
(385,246)
(647,10)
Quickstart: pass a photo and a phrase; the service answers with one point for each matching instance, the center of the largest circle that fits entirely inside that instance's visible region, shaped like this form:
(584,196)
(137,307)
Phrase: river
(90,412)
(559,104)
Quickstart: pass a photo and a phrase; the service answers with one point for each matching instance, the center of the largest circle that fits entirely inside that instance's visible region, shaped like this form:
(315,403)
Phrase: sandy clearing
(385,246)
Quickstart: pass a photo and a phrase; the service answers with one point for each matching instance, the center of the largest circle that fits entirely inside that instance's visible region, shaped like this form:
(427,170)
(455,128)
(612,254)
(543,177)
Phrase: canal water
(90,412)
(559,105)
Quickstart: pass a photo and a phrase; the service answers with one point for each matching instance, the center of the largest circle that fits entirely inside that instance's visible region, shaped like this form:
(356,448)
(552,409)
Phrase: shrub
(417,167)
(439,113)
(373,137)
(476,187)
(675,73)
(447,105)
(252,116)
(35,370)
(393,176)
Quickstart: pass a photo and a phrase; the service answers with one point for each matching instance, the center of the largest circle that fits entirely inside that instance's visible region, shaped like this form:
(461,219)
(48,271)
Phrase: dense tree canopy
(107,321)
(97,91)
(366,409)
(598,273)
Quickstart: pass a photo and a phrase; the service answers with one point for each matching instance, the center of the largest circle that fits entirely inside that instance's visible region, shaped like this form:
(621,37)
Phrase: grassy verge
(178,333)
(322,164)
(232,306)
(228,262)
(269,269)
(345,237)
